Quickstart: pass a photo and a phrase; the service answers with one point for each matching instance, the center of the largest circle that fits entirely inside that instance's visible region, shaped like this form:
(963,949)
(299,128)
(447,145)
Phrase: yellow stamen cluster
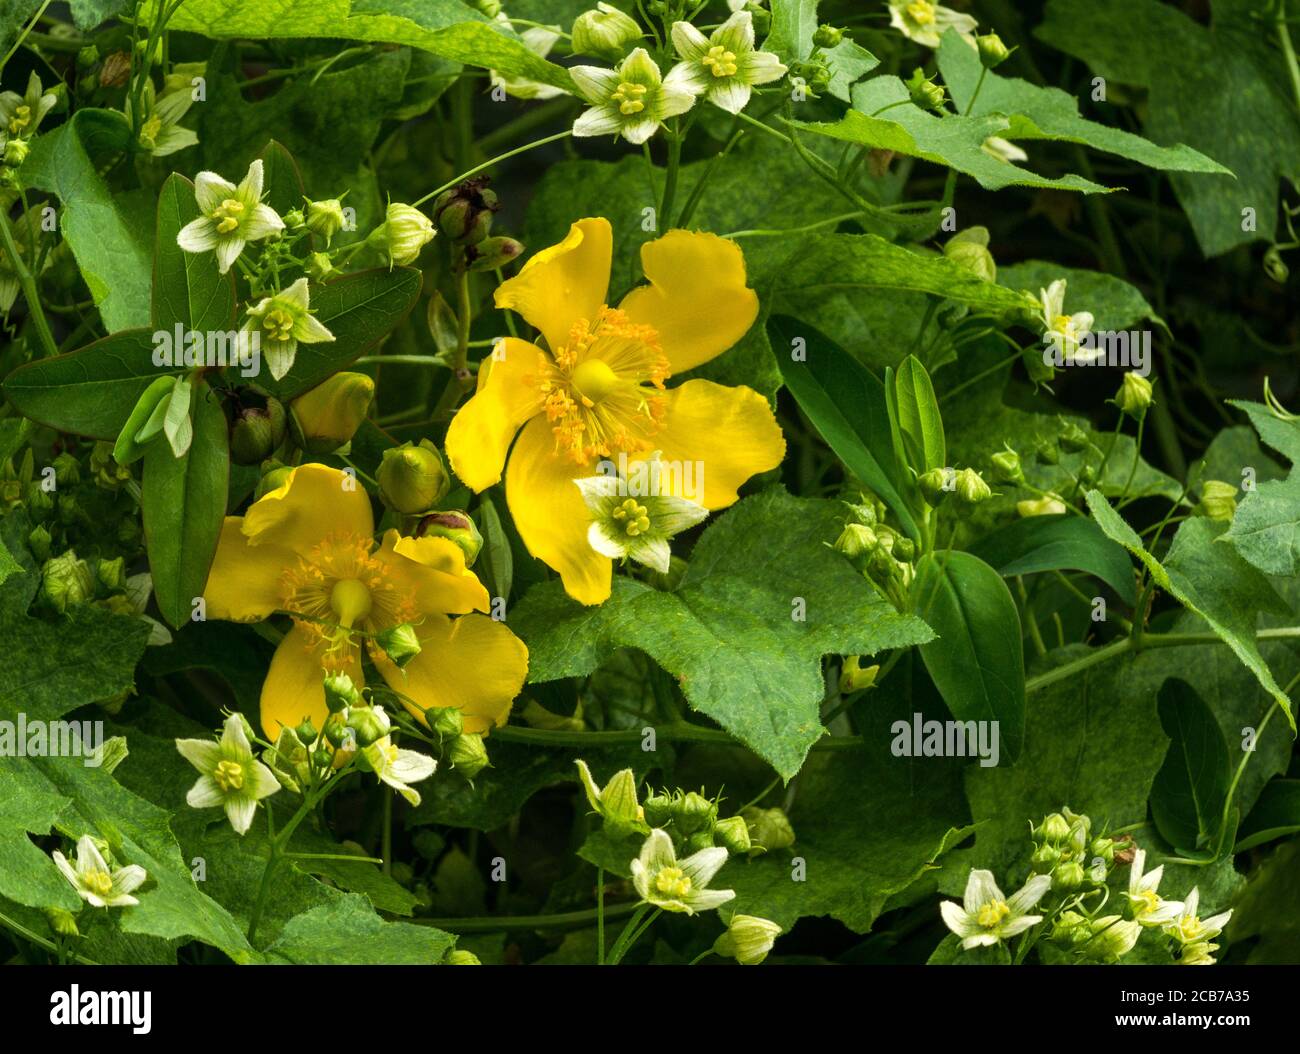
(340,588)
(600,391)
(21,119)
(1190,929)
(278,324)
(720,61)
(629,98)
(1145,902)
(229,776)
(993,913)
(98,882)
(921,12)
(227,215)
(673,882)
(634,517)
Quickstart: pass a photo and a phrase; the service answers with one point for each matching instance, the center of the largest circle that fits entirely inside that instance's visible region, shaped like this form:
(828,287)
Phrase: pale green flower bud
(412,478)
(400,644)
(15,152)
(66,581)
(446,721)
(257,425)
(1072,437)
(461,957)
(924,92)
(1134,395)
(1112,938)
(320,266)
(694,813)
(748,939)
(856,541)
(468,754)
(854,678)
(827,37)
(658,809)
(971,487)
(1049,505)
(970,249)
(404,232)
(62,922)
(768,828)
(992,51)
(368,724)
(1045,859)
(491,253)
(1068,877)
(1218,500)
(733,834)
(1006,466)
(1054,829)
(325,218)
(341,693)
(464,213)
(605,32)
(936,484)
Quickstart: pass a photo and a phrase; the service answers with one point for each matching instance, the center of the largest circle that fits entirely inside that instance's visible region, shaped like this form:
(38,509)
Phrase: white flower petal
(595,84)
(210,190)
(228,250)
(203,754)
(262,221)
(250,187)
(205,794)
(240,811)
(198,236)
(599,120)
(689,43)
(128,878)
(981,889)
(730,95)
(702,866)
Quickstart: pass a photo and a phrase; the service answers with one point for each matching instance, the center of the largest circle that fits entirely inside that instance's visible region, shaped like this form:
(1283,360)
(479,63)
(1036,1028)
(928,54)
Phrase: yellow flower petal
(434,571)
(731,432)
(697,298)
(295,685)
(315,502)
(472,662)
(244,583)
(550,514)
(482,430)
(563,283)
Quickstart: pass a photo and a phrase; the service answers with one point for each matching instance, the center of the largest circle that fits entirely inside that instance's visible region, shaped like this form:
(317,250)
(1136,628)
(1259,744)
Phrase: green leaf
(916,410)
(953,141)
(1266,527)
(495,564)
(448,28)
(87,14)
(92,391)
(1269,909)
(187,289)
(1276,815)
(347,931)
(1189,790)
(1057,543)
(731,632)
(949,951)
(1282,434)
(846,404)
(360,310)
(793,24)
(1209,580)
(1220,89)
(1049,113)
(184,503)
(976,659)
(110,235)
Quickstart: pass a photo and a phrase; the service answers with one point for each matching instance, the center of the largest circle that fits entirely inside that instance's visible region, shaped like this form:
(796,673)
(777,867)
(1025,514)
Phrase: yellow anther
(673,882)
(991,914)
(278,324)
(229,775)
(921,12)
(21,119)
(634,517)
(100,882)
(628,96)
(721,61)
(227,215)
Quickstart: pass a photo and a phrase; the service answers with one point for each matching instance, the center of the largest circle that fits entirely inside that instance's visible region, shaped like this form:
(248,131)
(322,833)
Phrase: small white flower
(1188,928)
(1148,907)
(724,67)
(631,101)
(229,775)
(232,216)
(634,518)
(161,132)
(985,916)
(396,767)
(282,322)
(97,884)
(539,40)
(925,23)
(1003,150)
(1066,332)
(21,115)
(681,887)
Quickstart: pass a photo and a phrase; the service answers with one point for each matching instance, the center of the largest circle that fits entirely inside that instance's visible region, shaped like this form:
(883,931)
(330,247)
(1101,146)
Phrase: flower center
(601,390)
(629,98)
(350,600)
(149,133)
(921,12)
(991,914)
(229,776)
(673,882)
(721,61)
(1189,929)
(1062,324)
(634,518)
(227,215)
(21,119)
(278,324)
(99,882)
(1145,902)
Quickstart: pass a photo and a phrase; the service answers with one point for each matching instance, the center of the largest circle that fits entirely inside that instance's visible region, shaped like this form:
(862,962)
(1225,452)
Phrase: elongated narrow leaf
(1275,815)
(1058,543)
(846,404)
(1189,790)
(976,660)
(917,412)
(184,503)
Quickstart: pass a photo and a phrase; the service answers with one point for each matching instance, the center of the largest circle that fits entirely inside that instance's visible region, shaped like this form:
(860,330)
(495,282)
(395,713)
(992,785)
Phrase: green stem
(834,221)
(23,34)
(600,916)
(28,284)
(664,217)
(566,920)
(38,940)
(386,851)
(1288,51)
(492,161)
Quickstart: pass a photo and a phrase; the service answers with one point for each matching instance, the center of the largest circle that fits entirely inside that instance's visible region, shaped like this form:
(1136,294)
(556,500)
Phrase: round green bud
(461,957)
(1134,395)
(768,828)
(468,755)
(39,543)
(971,487)
(1053,830)
(904,549)
(694,812)
(464,213)
(1048,453)
(936,484)
(924,92)
(1045,859)
(274,479)
(1068,876)
(857,542)
(455,526)
(62,922)
(66,581)
(447,721)
(257,425)
(341,693)
(1071,928)
(605,32)
(1218,500)
(320,266)
(404,232)
(733,834)
(368,724)
(1072,437)
(306,732)
(970,249)
(991,49)
(325,218)
(1087,475)
(1006,466)
(67,470)
(658,809)
(827,37)
(294,219)
(322,758)
(748,939)
(491,253)
(1104,848)
(399,643)
(15,152)
(412,478)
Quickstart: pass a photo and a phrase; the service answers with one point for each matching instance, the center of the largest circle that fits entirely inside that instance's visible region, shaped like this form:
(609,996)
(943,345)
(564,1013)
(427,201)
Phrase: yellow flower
(597,390)
(307,548)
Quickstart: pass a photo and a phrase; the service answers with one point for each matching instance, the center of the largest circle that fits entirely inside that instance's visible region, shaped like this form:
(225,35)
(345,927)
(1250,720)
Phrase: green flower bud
(971,487)
(1006,466)
(15,152)
(328,416)
(733,835)
(857,542)
(257,425)
(341,693)
(325,218)
(400,644)
(66,581)
(865,513)
(368,724)
(468,754)
(694,812)
(62,922)
(455,526)
(970,249)
(702,839)
(904,549)
(853,678)
(605,32)
(1111,938)
(412,478)
(446,721)
(461,957)
(658,809)
(105,470)
(464,213)
(1068,877)
(67,470)
(1045,859)
(87,57)
(1071,928)
(936,484)
(1218,500)
(1087,475)
(491,8)
(39,543)
(111,573)
(306,732)
(827,37)
(1104,848)
(1072,437)
(1274,266)
(924,92)
(1053,830)
(491,253)
(748,939)
(1134,395)
(274,479)
(768,828)
(1048,453)
(322,758)
(992,51)
(293,219)
(320,266)
(404,232)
